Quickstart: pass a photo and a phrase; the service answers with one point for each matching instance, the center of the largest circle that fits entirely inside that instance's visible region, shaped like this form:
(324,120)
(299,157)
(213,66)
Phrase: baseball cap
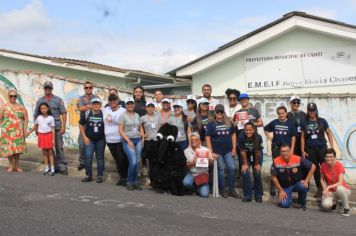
(48,84)
(243,95)
(203,100)
(191,97)
(129,99)
(294,97)
(95,99)
(312,106)
(150,103)
(219,107)
(177,103)
(166,100)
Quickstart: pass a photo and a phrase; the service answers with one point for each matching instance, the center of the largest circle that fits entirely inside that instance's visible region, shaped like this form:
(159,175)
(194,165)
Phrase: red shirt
(331,174)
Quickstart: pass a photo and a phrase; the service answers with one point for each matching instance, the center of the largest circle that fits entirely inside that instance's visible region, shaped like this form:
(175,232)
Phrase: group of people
(207,131)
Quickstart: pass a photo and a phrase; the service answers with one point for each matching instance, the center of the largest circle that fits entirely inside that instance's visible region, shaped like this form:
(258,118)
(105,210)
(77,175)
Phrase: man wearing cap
(165,112)
(83,106)
(207,90)
(298,117)
(91,126)
(59,114)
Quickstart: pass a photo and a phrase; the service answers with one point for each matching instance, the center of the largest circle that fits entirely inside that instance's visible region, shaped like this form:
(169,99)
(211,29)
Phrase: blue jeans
(133,155)
(82,153)
(302,195)
(99,148)
(202,190)
(257,186)
(228,161)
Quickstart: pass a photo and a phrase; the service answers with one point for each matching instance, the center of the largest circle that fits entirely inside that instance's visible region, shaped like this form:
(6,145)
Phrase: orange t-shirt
(331,174)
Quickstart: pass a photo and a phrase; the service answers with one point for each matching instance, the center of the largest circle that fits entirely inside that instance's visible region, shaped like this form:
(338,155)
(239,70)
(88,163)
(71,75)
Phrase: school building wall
(232,73)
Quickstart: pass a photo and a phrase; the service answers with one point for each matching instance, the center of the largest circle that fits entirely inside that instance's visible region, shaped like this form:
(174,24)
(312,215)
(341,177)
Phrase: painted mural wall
(30,88)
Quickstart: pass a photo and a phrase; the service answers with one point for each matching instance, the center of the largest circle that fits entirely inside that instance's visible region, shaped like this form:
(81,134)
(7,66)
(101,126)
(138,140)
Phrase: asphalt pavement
(33,204)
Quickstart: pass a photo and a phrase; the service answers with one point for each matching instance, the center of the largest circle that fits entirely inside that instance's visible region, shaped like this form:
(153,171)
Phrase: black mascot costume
(167,162)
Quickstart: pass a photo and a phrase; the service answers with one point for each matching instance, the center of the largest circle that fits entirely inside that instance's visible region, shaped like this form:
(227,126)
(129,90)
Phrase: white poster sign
(309,68)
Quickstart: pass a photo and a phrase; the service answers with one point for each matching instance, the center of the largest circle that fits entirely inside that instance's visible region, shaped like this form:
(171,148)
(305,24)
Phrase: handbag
(201,179)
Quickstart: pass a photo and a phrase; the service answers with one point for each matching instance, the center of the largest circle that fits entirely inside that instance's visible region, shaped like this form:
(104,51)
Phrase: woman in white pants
(334,186)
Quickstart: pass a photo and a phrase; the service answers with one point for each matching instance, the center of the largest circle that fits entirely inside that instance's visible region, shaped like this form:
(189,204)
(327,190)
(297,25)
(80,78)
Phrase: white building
(298,53)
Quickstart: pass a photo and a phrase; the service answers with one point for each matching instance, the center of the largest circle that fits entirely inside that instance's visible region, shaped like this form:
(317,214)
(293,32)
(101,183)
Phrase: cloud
(30,19)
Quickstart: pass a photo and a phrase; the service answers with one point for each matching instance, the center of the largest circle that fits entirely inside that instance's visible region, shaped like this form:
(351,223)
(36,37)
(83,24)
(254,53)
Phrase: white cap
(191,97)
(150,103)
(129,99)
(166,100)
(95,99)
(177,103)
(203,100)
(294,97)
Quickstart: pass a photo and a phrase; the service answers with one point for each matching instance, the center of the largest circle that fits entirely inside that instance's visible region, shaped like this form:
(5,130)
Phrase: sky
(150,35)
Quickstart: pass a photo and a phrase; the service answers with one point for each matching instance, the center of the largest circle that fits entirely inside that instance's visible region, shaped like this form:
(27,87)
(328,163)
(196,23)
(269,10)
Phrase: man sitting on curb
(287,176)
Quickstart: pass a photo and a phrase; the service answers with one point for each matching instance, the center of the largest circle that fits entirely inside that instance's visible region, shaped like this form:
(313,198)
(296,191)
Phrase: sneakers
(99,179)
(137,186)
(121,182)
(259,199)
(130,187)
(87,179)
(51,173)
(233,194)
(245,199)
(46,172)
(224,193)
(80,167)
(347,212)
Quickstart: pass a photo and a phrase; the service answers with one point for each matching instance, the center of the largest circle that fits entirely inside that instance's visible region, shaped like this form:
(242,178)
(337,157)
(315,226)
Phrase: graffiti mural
(30,88)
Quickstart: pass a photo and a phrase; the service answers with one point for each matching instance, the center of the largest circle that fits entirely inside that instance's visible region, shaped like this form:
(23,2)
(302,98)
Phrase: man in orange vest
(288,176)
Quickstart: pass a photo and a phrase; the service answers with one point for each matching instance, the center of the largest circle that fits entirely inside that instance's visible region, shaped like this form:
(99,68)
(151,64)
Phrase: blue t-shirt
(220,135)
(94,125)
(314,132)
(282,132)
(248,145)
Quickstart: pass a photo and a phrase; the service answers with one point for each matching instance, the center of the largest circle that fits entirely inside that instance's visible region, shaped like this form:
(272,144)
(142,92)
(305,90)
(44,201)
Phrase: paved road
(32,204)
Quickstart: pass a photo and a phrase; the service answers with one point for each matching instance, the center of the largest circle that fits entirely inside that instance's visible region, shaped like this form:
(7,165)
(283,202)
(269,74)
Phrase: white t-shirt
(111,124)
(230,111)
(45,124)
(190,154)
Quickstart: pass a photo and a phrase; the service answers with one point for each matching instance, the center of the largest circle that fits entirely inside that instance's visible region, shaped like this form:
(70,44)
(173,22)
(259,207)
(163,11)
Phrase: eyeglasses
(297,103)
(219,112)
(232,98)
(311,110)
(329,156)
(191,102)
(88,87)
(12,96)
(48,88)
